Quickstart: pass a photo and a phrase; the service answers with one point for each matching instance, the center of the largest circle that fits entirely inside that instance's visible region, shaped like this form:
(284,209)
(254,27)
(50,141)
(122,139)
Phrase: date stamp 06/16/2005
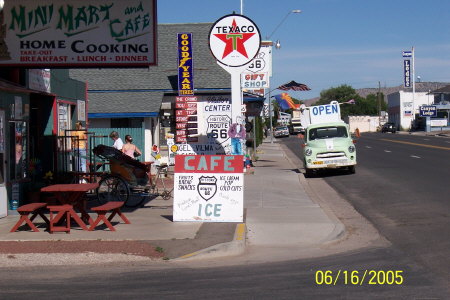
(373,277)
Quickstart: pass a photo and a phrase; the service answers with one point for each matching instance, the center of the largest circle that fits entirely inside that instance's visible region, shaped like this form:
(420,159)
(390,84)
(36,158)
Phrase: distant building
(401,107)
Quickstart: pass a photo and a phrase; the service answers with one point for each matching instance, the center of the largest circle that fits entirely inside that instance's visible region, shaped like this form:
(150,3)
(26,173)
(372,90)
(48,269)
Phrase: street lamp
(277,46)
(295,11)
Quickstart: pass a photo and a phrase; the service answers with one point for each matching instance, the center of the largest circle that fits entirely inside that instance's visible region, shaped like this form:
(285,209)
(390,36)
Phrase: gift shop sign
(255,80)
(208,188)
(78,33)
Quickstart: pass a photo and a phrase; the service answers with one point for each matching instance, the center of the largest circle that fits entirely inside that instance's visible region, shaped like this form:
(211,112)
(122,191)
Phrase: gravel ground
(33,253)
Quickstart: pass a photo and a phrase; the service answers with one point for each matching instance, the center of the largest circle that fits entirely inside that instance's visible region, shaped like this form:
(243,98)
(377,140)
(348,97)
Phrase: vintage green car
(328,145)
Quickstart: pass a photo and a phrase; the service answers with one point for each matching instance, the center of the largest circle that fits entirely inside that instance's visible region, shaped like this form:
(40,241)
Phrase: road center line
(413,156)
(416,144)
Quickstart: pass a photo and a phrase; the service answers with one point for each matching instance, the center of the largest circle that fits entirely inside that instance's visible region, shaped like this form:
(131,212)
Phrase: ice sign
(325,113)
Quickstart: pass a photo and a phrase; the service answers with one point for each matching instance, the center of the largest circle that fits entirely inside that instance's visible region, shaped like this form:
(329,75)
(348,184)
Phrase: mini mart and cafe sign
(78,33)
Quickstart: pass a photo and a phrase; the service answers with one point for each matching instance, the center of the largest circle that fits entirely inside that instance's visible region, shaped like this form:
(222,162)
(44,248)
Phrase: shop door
(3,195)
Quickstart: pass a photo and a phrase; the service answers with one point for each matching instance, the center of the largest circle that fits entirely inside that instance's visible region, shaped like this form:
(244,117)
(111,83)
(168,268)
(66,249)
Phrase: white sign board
(78,33)
(325,113)
(213,122)
(439,122)
(208,188)
(81,107)
(39,79)
(262,63)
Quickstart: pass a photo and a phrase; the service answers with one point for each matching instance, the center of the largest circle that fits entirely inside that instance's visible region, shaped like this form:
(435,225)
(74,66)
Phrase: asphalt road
(402,186)
(392,187)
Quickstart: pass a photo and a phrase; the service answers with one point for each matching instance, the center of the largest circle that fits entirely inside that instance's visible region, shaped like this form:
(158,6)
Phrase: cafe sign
(78,33)
(208,188)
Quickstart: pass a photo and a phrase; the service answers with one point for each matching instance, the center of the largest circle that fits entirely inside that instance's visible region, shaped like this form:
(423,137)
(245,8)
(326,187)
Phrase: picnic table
(73,194)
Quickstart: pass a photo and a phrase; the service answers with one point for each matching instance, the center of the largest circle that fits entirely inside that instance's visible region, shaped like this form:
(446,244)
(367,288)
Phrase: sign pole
(236,92)
(414,90)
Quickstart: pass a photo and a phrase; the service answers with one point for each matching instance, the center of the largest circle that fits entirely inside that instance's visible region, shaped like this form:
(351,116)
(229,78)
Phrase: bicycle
(159,182)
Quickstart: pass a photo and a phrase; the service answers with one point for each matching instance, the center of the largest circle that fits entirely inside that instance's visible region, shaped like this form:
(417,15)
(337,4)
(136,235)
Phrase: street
(411,214)
(401,186)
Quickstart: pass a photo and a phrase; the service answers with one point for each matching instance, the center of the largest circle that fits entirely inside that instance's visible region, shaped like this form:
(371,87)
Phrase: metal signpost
(407,78)
(210,188)
(428,111)
(234,41)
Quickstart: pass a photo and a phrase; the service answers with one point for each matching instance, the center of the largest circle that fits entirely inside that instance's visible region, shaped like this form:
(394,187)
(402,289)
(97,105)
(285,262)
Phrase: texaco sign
(234,40)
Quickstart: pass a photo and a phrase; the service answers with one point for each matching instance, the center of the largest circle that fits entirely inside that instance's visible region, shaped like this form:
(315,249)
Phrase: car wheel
(351,170)
(309,173)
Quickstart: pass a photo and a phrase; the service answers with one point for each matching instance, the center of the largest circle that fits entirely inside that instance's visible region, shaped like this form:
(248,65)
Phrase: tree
(343,93)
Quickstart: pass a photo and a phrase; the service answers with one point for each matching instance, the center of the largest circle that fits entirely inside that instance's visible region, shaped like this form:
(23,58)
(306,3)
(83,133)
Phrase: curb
(233,248)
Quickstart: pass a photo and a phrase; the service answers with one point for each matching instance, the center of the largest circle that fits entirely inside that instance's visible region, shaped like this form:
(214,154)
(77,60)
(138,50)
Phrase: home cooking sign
(208,188)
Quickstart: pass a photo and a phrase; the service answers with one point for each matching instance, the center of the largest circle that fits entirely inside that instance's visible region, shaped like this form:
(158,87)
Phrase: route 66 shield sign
(207,187)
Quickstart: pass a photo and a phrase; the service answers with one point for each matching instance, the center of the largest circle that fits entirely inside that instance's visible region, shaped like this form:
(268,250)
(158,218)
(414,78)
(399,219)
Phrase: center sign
(208,188)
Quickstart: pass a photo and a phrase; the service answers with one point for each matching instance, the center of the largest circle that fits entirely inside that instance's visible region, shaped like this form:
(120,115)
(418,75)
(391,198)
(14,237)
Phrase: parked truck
(327,140)
(296,127)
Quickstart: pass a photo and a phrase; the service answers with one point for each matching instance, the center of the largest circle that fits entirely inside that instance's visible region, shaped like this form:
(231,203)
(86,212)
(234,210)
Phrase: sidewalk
(278,213)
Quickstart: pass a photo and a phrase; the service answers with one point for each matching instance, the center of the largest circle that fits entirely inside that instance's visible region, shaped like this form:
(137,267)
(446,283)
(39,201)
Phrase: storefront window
(2,146)
(64,121)
(18,139)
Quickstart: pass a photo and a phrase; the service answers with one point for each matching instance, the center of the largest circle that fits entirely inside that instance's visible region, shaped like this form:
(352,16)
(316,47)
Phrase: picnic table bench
(102,210)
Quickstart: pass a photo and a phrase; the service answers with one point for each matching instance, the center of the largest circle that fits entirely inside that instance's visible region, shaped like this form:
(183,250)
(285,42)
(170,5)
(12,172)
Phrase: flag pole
(270,117)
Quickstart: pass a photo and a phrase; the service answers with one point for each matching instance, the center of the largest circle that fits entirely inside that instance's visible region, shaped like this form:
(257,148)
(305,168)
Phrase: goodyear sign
(185,65)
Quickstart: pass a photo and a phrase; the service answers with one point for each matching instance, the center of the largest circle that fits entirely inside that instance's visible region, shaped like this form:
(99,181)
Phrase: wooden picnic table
(73,194)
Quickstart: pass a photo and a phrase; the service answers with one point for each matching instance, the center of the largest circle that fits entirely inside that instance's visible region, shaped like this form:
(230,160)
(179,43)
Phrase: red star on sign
(234,40)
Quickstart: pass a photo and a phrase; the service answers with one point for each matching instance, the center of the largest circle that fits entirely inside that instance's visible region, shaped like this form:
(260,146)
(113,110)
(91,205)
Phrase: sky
(335,42)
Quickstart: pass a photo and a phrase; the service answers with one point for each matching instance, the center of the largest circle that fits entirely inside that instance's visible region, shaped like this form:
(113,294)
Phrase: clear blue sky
(334,42)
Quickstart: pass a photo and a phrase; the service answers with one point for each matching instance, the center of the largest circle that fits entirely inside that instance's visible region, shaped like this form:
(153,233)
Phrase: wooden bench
(101,211)
(62,212)
(25,210)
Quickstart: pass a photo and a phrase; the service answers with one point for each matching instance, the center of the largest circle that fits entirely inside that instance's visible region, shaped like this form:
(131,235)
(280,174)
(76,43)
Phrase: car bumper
(330,164)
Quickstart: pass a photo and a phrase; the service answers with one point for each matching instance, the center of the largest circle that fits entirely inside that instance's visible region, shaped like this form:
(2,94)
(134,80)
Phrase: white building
(401,107)
(284,118)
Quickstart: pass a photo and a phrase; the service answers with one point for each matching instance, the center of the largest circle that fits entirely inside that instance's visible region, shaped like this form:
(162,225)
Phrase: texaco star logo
(234,40)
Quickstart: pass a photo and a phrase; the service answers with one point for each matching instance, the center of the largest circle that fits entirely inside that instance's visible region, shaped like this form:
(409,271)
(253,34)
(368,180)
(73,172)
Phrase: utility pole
(379,103)
(414,91)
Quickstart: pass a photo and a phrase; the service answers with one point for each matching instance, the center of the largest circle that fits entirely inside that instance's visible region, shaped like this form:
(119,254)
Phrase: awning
(15,88)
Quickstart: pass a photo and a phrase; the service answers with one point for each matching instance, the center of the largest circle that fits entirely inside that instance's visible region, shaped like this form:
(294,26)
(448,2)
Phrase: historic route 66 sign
(234,40)
(207,187)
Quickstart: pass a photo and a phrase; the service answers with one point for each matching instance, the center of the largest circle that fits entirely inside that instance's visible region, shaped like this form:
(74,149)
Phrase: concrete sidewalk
(278,212)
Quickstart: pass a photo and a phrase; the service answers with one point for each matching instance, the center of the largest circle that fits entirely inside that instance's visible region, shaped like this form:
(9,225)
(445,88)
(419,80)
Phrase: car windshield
(327,132)
(281,128)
